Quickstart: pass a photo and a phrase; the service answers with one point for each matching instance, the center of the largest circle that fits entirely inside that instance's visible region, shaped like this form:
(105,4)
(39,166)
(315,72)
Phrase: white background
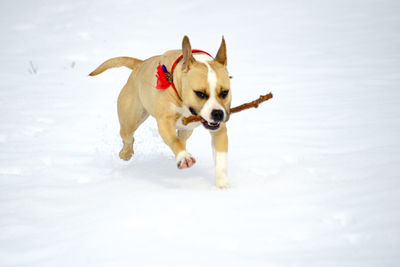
(314,172)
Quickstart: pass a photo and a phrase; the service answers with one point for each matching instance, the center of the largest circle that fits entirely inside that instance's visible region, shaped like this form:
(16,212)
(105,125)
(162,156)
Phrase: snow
(313,172)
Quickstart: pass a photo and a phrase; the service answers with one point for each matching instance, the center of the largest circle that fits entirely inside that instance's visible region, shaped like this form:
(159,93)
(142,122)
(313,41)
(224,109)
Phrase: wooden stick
(252,104)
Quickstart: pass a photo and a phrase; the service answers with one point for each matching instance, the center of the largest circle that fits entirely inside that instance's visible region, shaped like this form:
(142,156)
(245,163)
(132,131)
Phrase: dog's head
(205,85)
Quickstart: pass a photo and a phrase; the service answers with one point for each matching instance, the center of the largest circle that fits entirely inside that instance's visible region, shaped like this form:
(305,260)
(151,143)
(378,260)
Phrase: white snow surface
(314,172)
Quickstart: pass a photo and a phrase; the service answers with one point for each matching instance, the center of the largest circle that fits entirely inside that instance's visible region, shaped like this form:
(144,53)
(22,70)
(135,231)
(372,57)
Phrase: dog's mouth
(210,125)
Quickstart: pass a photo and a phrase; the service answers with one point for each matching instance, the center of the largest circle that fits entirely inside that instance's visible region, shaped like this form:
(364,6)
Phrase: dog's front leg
(220,150)
(167,130)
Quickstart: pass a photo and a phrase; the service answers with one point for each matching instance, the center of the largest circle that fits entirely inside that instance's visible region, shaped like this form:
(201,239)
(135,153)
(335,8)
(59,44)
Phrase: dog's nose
(217,115)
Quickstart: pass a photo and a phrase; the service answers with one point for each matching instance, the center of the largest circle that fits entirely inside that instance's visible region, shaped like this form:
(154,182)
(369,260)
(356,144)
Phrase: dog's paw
(185,160)
(126,154)
(222,184)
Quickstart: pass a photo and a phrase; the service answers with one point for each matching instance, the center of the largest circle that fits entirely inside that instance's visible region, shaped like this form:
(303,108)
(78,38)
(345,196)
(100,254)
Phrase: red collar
(165,78)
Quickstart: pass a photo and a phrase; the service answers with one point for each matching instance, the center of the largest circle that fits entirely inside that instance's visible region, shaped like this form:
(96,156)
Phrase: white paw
(222,184)
(185,160)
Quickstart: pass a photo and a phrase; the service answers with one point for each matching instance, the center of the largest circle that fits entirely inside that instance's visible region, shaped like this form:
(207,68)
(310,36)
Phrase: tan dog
(202,87)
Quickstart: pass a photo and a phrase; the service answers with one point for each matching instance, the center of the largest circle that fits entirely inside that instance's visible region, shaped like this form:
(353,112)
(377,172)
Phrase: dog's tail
(116,62)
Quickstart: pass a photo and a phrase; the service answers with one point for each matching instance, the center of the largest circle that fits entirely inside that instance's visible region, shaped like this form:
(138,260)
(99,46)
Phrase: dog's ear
(221,55)
(188,59)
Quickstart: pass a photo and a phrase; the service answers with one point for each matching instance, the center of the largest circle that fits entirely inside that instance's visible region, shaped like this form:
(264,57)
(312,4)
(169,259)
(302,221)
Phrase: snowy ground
(314,172)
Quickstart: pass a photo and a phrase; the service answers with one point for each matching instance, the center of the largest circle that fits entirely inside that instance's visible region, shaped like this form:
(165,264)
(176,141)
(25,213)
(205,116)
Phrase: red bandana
(164,78)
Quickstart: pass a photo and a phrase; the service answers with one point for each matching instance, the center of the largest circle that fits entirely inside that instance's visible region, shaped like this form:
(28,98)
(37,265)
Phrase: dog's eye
(200,94)
(224,94)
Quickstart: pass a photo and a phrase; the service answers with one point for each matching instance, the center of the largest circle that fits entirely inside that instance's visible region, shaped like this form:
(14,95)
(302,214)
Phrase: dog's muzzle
(217,116)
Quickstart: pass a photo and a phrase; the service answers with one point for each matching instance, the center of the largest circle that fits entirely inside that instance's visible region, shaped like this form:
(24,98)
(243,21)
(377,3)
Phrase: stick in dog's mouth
(253,104)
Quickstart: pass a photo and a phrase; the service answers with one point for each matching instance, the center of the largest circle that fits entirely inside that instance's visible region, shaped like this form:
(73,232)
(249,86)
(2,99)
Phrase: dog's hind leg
(131,114)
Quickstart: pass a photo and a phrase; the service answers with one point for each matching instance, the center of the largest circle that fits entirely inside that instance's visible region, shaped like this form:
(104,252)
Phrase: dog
(177,84)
